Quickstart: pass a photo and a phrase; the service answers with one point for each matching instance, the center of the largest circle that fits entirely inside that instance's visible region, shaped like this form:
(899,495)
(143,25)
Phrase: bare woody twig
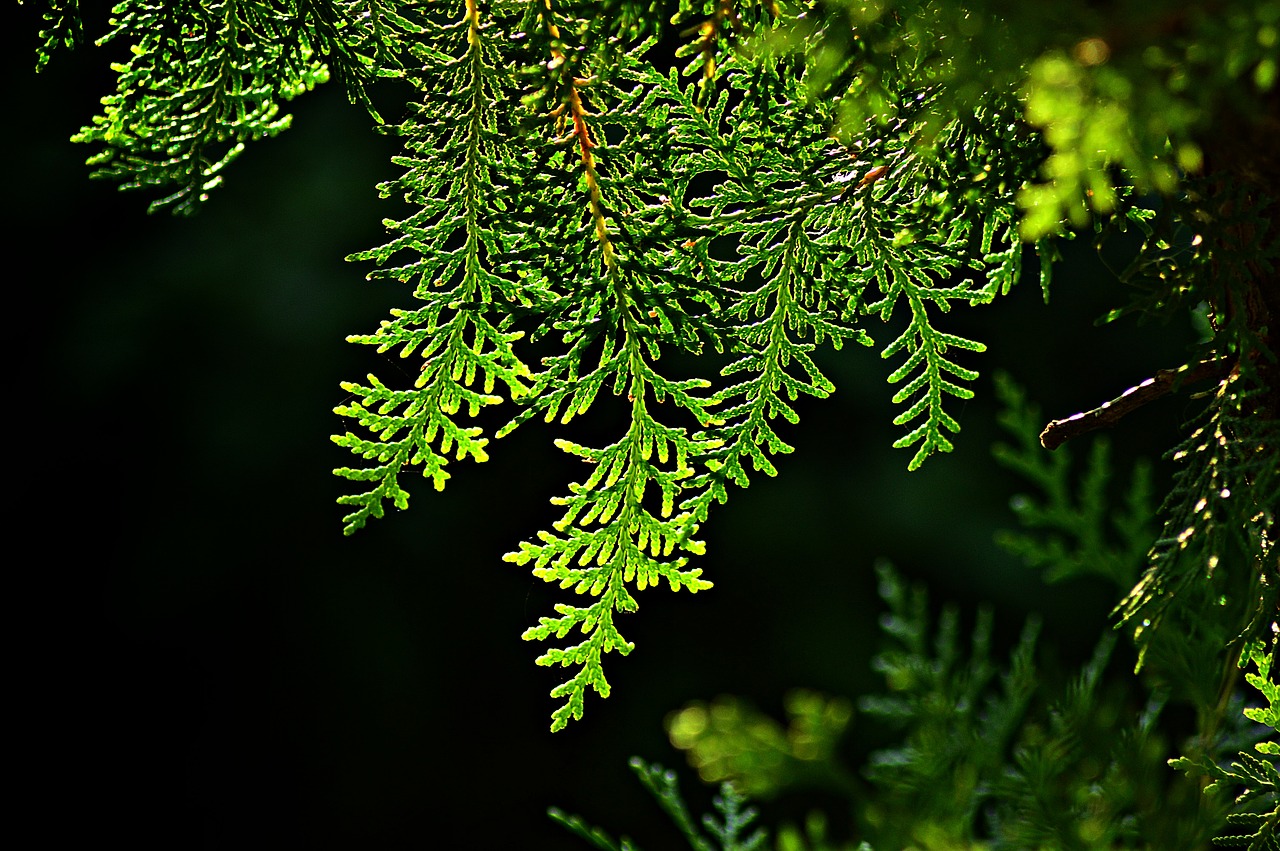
(1108,414)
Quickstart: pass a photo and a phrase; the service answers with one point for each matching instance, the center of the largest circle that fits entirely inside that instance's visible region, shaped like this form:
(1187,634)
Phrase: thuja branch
(578,114)
(1108,414)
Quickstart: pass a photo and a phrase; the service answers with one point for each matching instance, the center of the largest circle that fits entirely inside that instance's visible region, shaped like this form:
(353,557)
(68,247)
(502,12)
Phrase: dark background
(205,661)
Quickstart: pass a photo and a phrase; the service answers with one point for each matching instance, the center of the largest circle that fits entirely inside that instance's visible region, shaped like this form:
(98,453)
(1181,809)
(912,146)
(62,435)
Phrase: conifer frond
(593,835)
(958,724)
(736,818)
(665,788)
(630,544)
(1228,472)
(927,360)
(1071,533)
(685,218)
(202,81)
(449,251)
(64,26)
(1254,822)
(360,40)
(205,79)
(731,831)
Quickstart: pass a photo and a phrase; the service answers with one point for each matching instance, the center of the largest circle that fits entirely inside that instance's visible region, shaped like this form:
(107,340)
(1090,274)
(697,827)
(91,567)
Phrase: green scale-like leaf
(607,539)
(1072,531)
(624,217)
(1253,777)
(203,80)
(63,26)
(456,158)
(1228,472)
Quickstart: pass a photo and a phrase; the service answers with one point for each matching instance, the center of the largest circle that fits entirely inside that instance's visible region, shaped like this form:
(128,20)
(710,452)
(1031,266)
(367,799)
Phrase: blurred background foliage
(202,670)
(1138,85)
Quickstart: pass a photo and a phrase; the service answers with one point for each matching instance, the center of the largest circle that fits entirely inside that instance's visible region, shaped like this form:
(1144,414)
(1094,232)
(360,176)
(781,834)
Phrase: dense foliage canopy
(657,216)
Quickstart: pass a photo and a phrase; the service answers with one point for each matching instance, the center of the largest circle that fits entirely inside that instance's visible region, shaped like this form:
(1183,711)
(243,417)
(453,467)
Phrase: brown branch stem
(1108,414)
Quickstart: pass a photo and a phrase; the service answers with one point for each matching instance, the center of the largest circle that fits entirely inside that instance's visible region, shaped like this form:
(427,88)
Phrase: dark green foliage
(1229,471)
(959,721)
(1009,756)
(1078,771)
(204,79)
(985,746)
(1255,820)
(1070,535)
(732,830)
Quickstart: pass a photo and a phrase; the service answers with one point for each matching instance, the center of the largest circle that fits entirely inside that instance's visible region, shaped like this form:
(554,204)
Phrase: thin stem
(1108,414)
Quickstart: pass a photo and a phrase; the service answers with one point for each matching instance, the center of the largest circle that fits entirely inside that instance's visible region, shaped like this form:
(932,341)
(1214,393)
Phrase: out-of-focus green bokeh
(208,663)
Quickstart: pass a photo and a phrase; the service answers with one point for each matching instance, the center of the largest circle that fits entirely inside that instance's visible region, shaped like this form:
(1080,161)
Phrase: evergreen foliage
(1009,756)
(205,78)
(1072,781)
(1071,535)
(1256,777)
(732,831)
(657,215)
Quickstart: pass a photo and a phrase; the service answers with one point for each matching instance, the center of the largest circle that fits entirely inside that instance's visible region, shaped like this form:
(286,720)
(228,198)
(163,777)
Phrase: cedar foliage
(996,755)
(655,216)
